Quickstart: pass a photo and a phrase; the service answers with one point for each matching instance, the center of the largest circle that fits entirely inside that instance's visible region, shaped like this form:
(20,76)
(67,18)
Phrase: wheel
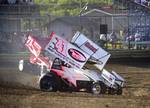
(47,83)
(111,91)
(119,90)
(96,88)
(104,88)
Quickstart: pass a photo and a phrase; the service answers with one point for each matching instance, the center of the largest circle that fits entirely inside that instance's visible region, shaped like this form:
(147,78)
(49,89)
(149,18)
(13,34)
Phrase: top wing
(96,53)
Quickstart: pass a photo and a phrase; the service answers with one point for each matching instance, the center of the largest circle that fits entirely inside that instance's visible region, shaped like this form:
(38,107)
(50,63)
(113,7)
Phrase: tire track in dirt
(39,99)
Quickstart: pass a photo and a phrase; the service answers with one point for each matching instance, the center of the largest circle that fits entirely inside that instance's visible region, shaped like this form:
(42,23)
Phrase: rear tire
(47,83)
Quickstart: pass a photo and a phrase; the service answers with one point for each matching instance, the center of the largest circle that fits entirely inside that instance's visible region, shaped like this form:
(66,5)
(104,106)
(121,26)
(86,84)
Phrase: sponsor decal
(89,46)
(108,77)
(76,55)
(66,51)
(60,46)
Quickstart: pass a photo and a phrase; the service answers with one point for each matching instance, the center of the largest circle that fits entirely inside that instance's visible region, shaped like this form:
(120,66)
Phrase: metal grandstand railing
(138,17)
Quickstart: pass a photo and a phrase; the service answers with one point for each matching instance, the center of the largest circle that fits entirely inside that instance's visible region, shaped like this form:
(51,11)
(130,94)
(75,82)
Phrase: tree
(68,7)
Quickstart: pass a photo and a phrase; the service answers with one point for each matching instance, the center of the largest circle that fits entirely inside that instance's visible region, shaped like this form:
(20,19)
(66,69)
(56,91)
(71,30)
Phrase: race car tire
(119,90)
(104,88)
(111,91)
(96,88)
(47,83)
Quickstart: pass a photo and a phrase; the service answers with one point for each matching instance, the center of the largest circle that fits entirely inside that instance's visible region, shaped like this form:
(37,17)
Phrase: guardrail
(129,45)
(137,45)
(140,42)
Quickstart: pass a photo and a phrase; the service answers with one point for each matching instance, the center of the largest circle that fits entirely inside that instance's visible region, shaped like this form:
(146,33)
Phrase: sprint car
(62,77)
(67,70)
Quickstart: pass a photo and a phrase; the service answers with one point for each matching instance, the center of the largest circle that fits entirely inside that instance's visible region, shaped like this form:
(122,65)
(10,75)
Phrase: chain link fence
(18,20)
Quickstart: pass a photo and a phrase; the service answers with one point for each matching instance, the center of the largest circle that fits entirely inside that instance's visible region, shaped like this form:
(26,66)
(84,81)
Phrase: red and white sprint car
(62,65)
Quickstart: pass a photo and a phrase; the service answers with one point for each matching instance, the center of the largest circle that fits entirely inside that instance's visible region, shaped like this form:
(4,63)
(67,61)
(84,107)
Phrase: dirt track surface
(20,90)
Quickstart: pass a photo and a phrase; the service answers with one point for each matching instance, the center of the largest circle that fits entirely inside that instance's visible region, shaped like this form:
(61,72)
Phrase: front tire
(96,88)
(111,91)
(119,90)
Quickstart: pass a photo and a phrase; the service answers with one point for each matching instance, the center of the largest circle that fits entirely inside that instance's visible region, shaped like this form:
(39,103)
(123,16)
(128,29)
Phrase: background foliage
(68,7)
